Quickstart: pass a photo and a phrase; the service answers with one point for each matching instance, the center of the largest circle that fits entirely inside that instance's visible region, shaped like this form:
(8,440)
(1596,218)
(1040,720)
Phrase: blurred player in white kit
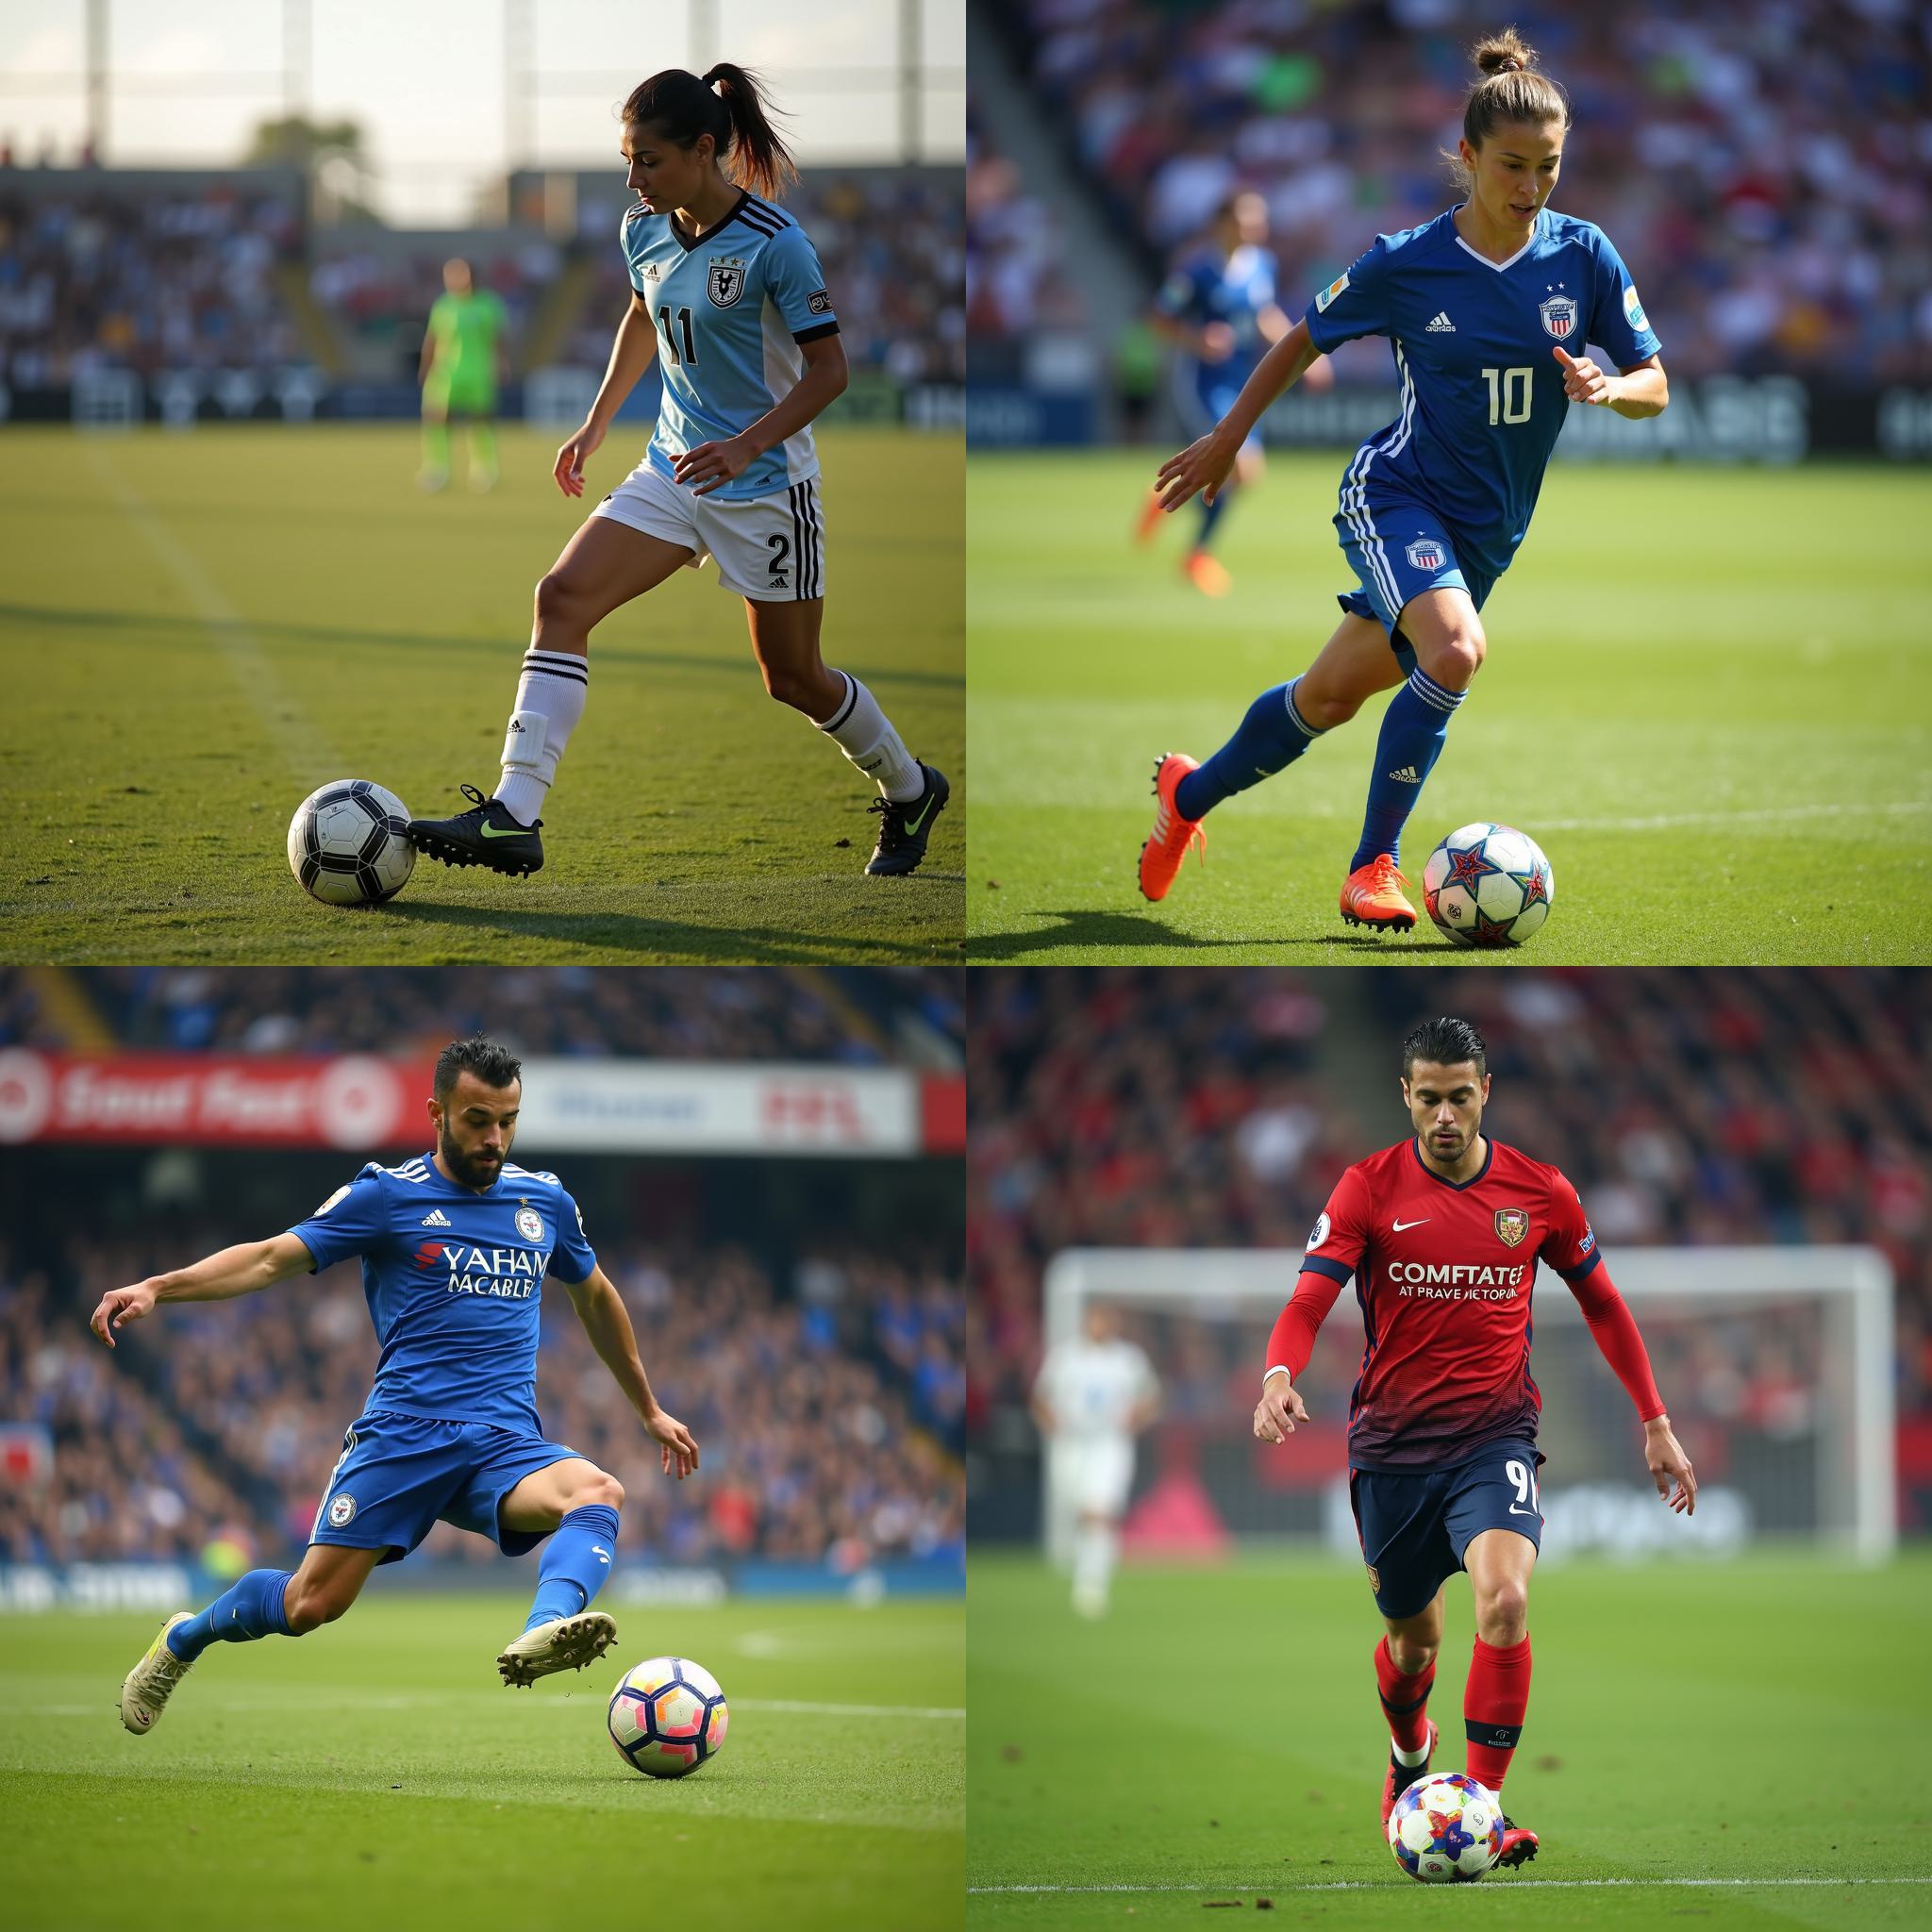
(1091,1399)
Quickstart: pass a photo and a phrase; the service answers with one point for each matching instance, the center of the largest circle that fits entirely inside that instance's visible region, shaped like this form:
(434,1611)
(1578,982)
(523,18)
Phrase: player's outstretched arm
(631,354)
(239,1270)
(606,1321)
(1668,1464)
(1203,466)
(1279,1407)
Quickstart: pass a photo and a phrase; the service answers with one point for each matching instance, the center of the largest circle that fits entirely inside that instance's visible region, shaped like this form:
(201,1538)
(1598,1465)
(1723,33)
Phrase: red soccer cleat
(1519,1845)
(1402,1775)
(1208,575)
(1161,856)
(1372,897)
(1150,518)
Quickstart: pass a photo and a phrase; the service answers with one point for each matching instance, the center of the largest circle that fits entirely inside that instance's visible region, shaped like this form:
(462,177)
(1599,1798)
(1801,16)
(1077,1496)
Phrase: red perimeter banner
(361,1102)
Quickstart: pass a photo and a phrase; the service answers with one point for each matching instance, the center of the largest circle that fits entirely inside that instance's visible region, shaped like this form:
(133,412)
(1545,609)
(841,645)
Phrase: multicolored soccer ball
(1446,1830)
(1488,886)
(668,1717)
(348,844)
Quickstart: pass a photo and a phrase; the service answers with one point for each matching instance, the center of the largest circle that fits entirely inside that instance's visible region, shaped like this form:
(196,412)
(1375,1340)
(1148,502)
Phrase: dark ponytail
(736,117)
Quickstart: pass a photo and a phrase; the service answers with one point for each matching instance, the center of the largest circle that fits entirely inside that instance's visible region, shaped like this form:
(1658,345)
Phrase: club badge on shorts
(529,1224)
(341,1510)
(1512,1223)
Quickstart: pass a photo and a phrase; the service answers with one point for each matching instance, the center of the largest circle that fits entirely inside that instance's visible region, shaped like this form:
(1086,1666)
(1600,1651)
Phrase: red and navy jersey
(1443,1272)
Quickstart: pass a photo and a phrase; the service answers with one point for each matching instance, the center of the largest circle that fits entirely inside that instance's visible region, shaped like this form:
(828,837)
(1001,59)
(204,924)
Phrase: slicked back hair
(1445,1042)
(495,1065)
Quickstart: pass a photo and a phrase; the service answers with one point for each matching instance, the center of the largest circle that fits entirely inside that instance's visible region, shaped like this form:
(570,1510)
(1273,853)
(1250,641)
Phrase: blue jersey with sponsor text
(1482,392)
(731,308)
(1234,289)
(453,1279)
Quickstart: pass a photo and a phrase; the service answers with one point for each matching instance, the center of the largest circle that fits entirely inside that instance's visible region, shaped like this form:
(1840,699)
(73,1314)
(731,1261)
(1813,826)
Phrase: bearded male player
(455,1248)
(1442,1234)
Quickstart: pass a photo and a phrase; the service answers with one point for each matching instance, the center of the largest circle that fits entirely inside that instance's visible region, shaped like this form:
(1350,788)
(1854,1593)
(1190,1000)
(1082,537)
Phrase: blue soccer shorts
(1398,548)
(1203,396)
(399,1475)
(1414,1526)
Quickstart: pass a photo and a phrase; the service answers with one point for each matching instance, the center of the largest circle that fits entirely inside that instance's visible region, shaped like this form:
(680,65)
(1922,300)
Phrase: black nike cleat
(485,835)
(906,826)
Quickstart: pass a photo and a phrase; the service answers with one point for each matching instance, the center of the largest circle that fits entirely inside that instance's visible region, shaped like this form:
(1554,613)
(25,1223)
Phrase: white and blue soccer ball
(348,844)
(1446,1828)
(1488,886)
(668,1717)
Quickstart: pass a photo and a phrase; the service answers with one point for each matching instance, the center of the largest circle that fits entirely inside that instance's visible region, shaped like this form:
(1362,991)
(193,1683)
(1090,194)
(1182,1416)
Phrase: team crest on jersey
(1558,314)
(529,1224)
(724,283)
(1512,1223)
(1319,1235)
(341,1510)
(1425,553)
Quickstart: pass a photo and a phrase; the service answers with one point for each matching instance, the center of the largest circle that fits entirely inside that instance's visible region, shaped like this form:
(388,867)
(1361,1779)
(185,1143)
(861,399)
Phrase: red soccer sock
(1404,1699)
(1494,1702)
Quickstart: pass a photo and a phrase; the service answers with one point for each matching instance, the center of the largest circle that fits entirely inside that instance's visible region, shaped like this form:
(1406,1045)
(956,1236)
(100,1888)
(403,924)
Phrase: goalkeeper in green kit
(463,360)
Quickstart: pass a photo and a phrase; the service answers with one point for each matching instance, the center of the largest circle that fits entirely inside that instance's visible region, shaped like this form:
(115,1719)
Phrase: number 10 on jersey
(1511,387)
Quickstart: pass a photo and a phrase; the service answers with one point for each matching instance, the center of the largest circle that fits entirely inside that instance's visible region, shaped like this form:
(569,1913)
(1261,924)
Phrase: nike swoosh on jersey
(1401,1226)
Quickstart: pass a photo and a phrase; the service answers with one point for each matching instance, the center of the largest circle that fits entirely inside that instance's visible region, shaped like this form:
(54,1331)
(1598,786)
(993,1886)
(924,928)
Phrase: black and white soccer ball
(349,846)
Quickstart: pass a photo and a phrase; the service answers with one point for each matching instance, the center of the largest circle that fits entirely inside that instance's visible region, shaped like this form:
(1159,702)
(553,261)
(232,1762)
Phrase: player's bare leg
(1499,1562)
(785,641)
(575,1504)
(325,1583)
(605,565)
(1446,635)
(1405,1670)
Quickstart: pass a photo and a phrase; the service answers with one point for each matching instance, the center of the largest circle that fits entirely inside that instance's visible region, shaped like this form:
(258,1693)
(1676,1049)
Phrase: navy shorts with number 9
(1415,1525)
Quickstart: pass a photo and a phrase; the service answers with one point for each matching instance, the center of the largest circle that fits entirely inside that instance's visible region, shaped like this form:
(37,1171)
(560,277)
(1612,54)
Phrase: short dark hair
(1445,1042)
(495,1066)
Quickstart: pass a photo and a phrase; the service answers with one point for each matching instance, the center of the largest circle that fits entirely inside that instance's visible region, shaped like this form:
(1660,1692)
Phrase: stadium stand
(1765,170)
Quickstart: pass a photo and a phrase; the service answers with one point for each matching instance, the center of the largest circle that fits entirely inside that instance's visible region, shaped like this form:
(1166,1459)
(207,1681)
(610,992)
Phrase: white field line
(304,750)
(784,1706)
(1268,1886)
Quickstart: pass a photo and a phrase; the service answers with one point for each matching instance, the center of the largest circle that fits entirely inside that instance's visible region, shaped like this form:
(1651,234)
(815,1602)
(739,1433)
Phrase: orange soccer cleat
(1372,897)
(1206,573)
(1161,856)
(1402,1775)
(1149,519)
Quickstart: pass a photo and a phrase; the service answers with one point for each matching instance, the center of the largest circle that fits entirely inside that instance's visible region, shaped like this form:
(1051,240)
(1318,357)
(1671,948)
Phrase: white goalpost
(1775,1362)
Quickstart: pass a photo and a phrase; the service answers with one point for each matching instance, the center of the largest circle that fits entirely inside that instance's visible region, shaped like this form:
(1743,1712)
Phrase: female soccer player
(729,288)
(1443,1233)
(459,368)
(1218,308)
(1483,307)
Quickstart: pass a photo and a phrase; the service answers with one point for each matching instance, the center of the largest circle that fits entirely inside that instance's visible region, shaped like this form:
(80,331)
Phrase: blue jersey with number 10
(454,1278)
(1482,394)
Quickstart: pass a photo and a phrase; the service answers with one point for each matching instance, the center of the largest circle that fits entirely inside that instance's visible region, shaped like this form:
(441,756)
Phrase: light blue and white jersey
(1482,394)
(452,1278)
(731,308)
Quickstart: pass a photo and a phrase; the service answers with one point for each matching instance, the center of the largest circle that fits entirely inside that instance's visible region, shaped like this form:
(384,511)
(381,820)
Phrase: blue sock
(251,1606)
(1413,728)
(576,1563)
(1268,740)
(1210,515)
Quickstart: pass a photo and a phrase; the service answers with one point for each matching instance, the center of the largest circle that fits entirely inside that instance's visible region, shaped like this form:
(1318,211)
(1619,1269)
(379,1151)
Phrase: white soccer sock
(865,735)
(1409,1760)
(550,700)
(1094,1552)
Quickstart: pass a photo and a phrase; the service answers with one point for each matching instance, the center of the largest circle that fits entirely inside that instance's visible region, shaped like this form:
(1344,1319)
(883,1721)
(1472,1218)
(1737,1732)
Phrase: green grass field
(377,1775)
(1733,1744)
(209,625)
(1708,696)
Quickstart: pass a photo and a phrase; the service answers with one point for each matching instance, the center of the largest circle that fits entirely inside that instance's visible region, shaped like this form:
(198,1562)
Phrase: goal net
(1776,1363)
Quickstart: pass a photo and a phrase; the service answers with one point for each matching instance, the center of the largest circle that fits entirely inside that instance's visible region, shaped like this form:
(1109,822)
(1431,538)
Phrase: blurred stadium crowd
(1114,1108)
(857,1018)
(827,1408)
(1766,170)
(114,272)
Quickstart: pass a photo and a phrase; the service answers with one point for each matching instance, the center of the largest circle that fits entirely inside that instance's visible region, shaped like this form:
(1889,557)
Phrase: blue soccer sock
(251,1606)
(1413,728)
(576,1563)
(1268,740)
(1210,515)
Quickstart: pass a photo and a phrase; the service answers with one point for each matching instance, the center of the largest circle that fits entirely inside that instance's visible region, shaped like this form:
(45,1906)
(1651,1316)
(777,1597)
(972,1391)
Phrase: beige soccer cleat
(564,1643)
(145,1690)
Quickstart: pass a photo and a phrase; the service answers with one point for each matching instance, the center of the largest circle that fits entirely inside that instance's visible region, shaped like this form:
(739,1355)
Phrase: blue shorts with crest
(1398,548)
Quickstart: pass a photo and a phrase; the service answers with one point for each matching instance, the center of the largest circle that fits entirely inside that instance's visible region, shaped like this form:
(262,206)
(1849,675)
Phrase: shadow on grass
(504,645)
(1086,926)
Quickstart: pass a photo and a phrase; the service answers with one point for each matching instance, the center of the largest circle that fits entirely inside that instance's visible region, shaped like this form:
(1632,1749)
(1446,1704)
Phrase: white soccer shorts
(1090,1476)
(770,549)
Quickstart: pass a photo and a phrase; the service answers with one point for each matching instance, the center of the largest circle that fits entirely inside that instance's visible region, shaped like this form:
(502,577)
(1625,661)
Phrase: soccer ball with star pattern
(1488,886)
